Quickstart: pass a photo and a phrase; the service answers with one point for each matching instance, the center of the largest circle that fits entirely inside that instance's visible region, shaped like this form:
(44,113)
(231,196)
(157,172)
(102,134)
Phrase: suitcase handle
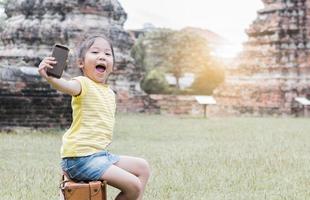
(63,181)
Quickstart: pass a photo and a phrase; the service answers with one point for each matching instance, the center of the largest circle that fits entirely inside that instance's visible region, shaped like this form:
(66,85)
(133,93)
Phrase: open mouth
(101,68)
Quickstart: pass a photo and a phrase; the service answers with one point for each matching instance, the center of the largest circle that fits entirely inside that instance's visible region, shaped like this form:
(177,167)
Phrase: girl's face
(98,62)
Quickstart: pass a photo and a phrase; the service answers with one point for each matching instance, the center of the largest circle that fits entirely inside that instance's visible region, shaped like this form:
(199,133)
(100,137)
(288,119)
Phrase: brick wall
(27,101)
(161,104)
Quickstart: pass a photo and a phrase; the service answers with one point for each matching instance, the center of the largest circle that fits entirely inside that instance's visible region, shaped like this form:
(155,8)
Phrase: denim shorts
(88,168)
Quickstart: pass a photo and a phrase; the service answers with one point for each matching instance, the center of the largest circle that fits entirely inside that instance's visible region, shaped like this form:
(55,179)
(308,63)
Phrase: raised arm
(71,87)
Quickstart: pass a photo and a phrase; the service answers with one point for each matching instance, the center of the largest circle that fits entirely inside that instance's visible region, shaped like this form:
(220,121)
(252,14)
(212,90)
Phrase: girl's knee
(145,168)
(133,189)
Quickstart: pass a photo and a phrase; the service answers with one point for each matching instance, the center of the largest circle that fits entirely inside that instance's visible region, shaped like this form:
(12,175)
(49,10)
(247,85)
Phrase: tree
(210,76)
(185,52)
(149,58)
(138,52)
(176,52)
(149,50)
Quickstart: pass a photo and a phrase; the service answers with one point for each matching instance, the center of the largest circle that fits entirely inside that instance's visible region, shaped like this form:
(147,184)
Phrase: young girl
(84,149)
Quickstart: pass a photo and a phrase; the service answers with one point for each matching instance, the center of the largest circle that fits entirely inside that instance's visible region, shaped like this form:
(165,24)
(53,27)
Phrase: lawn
(191,158)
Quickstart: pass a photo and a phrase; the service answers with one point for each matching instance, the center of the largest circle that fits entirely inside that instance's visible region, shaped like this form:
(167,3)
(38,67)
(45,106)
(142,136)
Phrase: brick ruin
(30,31)
(274,67)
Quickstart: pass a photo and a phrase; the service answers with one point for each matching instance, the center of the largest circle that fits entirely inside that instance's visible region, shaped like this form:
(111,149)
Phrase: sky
(228,18)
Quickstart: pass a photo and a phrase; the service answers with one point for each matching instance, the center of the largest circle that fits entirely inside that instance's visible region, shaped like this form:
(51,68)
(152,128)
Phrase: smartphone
(60,53)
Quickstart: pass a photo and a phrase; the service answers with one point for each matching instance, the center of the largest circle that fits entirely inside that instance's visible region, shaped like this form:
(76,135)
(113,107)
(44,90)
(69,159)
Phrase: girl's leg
(138,167)
(128,183)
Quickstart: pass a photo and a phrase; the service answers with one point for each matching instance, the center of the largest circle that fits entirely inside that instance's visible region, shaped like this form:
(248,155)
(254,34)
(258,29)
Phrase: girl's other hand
(46,63)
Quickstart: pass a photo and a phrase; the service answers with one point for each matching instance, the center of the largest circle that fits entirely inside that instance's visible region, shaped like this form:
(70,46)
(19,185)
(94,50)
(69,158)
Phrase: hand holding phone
(60,53)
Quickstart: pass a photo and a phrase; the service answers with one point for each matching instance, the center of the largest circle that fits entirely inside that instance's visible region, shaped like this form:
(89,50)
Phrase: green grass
(191,158)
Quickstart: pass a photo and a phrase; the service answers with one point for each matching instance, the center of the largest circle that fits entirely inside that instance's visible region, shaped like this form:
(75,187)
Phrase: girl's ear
(80,63)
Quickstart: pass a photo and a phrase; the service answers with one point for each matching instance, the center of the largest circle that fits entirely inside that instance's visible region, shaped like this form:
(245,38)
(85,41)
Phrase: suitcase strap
(63,180)
(61,187)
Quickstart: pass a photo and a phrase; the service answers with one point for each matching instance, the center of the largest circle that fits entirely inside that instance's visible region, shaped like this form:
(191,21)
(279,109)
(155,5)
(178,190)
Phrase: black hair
(88,42)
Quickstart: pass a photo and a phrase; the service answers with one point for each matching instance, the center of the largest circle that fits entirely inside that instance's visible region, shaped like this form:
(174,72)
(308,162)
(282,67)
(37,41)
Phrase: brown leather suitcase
(94,190)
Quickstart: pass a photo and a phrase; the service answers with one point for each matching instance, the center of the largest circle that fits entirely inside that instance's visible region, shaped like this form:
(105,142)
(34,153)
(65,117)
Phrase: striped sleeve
(81,80)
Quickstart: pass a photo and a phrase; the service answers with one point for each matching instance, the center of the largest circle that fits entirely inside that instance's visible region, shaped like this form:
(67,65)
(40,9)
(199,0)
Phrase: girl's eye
(95,52)
(108,54)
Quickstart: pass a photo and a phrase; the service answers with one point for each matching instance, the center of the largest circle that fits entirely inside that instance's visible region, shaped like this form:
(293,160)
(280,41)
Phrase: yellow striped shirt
(93,113)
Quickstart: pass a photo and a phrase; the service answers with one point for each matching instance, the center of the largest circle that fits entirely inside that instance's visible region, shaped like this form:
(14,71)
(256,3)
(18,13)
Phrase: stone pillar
(274,66)
(31,29)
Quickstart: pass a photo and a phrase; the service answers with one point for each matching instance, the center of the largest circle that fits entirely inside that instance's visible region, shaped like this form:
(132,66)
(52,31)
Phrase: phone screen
(61,54)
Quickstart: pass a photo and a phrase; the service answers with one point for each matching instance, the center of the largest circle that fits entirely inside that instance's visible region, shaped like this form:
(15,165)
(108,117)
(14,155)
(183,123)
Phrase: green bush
(155,83)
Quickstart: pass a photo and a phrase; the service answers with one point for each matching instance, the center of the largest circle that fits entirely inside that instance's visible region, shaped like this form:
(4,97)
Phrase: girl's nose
(101,56)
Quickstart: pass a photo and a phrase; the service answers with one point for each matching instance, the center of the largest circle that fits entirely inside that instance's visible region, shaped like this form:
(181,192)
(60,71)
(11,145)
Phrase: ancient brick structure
(27,101)
(164,104)
(274,67)
(31,29)
(173,105)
